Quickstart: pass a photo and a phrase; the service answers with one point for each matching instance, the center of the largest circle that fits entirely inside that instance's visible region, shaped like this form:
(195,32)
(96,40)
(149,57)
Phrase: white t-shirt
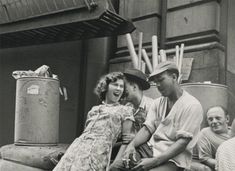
(183,120)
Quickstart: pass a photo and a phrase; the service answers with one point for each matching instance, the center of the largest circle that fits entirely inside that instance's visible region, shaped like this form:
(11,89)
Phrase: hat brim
(144,84)
(155,73)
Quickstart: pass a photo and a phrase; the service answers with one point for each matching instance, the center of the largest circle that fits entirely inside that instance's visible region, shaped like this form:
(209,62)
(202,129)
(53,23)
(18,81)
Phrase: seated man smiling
(211,137)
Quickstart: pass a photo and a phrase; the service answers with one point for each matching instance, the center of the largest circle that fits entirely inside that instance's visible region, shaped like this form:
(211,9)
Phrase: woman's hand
(146,164)
(127,138)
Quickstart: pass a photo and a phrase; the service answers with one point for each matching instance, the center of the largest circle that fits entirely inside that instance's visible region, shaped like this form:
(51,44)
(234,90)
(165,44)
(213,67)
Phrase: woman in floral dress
(91,151)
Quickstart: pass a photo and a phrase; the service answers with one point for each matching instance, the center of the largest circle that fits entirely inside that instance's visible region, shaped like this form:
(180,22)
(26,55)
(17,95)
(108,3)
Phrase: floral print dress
(91,151)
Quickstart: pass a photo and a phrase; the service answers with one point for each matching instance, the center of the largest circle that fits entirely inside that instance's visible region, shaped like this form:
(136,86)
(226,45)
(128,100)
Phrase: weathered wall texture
(196,23)
(64,60)
(78,64)
(231,54)
(206,27)
(146,17)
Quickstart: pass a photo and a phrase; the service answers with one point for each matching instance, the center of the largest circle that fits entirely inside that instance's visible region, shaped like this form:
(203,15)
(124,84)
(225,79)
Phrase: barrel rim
(204,84)
(43,78)
(18,143)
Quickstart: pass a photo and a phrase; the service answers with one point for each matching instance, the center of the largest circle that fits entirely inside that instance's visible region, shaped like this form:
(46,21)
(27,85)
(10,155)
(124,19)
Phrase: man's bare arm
(210,162)
(141,137)
(178,147)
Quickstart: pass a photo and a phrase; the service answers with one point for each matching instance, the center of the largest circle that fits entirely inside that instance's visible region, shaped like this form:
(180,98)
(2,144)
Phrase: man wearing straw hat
(135,83)
(173,122)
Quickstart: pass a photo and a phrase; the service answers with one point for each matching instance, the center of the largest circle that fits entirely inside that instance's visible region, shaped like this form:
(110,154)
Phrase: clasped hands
(132,160)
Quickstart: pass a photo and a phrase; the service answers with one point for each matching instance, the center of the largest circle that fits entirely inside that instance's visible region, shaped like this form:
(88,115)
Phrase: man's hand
(130,151)
(127,138)
(146,163)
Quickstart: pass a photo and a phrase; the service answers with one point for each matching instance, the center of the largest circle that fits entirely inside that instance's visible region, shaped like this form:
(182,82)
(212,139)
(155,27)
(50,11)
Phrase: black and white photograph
(117,85)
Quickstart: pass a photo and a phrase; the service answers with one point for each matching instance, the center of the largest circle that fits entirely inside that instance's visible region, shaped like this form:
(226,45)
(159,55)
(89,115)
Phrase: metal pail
(37,111)
(209,95)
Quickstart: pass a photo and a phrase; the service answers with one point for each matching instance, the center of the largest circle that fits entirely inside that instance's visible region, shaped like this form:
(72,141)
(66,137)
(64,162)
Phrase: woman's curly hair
(102,85)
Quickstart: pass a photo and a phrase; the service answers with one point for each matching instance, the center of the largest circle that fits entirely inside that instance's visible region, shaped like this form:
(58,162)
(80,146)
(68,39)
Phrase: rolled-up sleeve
(190,121)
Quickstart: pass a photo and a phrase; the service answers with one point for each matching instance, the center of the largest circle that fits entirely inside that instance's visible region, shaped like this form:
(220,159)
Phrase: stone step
(34,156)
(12,166)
